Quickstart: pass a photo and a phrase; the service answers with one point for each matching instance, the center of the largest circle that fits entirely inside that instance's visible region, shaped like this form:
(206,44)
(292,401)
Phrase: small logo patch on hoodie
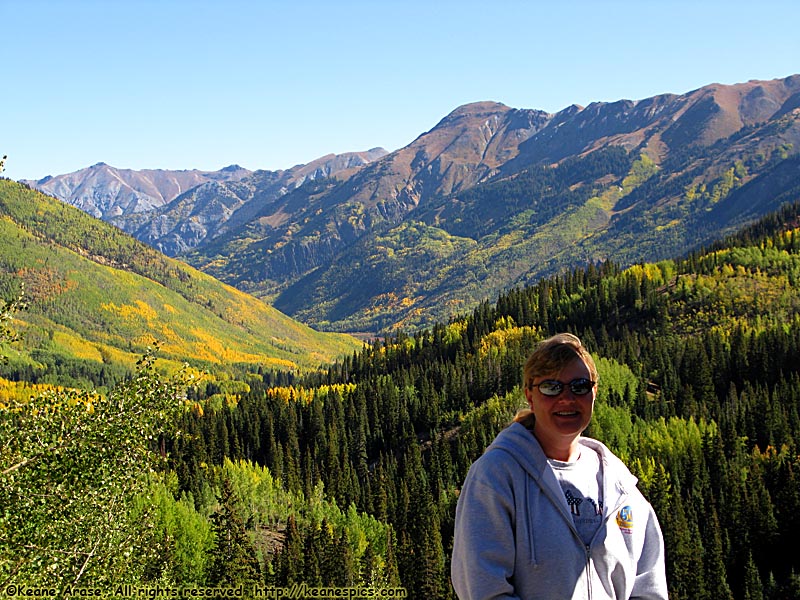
(625,519)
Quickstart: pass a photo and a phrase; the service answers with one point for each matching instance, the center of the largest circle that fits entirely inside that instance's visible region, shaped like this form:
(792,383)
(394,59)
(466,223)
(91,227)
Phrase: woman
(546,513)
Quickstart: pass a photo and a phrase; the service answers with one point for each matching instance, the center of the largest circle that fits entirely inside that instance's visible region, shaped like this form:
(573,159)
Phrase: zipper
(623,496)
(588,549)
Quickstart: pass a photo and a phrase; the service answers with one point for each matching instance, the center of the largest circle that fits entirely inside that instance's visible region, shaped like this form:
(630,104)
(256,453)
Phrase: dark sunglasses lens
(580,387)
(551,388)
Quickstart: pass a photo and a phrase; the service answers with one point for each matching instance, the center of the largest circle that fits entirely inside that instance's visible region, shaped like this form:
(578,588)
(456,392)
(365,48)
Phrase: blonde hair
(549,357)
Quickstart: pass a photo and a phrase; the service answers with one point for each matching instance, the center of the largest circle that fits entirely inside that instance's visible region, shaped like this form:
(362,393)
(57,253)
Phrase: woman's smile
(560,419)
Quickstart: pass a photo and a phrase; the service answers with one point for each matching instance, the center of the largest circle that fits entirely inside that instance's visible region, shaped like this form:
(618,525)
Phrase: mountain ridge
(145,203)
(105,191)
(469,193)
(649,219)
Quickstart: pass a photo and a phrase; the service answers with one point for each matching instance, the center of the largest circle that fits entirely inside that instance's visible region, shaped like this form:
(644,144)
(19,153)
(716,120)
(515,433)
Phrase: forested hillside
(699,375)
(97,298)
(349,477)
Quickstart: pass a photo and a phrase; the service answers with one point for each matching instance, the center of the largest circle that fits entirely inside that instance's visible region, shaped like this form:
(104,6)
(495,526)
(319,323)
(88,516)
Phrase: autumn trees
(699,378)
(348,476)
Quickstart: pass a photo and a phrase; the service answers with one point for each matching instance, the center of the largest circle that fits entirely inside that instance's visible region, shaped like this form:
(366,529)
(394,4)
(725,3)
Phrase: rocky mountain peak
(475,110)
(483,170)
(107,192)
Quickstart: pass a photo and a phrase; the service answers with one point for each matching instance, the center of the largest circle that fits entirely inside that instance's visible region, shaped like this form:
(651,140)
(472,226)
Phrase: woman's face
(561,419)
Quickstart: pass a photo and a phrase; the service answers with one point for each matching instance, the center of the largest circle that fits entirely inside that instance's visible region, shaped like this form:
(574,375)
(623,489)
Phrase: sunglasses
(553,387)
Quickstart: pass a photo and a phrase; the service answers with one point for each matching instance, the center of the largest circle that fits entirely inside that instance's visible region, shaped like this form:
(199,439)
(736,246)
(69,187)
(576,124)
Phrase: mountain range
(490,198)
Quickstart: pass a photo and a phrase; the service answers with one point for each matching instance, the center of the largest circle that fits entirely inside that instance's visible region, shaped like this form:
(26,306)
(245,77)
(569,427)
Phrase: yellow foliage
(15,392)
(650,271)
(307,395)
(505,323)
(672,223)
(142,310)
(78,347)
(207,347)
(497,342)
(19,392)
(455,331)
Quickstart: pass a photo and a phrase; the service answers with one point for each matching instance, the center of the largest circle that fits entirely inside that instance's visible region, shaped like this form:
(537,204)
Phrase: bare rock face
(175,211)
(105,191)
(459,152)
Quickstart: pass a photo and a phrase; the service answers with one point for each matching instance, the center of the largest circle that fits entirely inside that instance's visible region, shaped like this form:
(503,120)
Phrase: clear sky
(179,84)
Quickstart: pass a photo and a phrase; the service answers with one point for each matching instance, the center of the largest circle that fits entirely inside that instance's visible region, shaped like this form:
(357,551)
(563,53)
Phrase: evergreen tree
(313,557)
(340,557)
(233,558)
(289,563)
(717,586)
(391,573)
(753,590)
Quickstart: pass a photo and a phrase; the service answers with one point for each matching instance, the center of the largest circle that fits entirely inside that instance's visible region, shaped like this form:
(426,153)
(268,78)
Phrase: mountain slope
(211,209)
(174,211)
(313,224)
(97,294)
(492,197)
(407,241)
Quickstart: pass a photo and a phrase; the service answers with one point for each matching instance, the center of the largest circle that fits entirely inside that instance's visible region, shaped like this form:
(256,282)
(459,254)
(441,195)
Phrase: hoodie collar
(518,441)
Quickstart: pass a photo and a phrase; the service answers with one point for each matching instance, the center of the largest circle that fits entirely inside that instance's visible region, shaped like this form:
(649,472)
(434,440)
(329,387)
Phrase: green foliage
(181,537)
(234,560)
(698,362)
(71,467)
(8,308)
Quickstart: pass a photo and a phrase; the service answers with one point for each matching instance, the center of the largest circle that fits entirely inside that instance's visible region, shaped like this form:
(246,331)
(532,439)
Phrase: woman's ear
(529,397)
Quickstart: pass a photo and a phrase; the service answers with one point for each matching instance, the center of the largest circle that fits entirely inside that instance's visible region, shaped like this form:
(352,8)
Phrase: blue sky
(176,84)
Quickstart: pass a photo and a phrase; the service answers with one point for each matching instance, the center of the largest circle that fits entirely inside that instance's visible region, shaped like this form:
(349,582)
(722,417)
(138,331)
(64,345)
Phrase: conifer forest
(348,475)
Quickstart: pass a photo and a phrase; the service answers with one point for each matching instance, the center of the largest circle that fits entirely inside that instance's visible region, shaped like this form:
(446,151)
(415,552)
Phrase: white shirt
(582,483)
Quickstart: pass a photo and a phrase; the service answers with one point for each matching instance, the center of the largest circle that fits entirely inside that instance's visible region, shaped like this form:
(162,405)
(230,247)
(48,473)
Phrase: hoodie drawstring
(531,497)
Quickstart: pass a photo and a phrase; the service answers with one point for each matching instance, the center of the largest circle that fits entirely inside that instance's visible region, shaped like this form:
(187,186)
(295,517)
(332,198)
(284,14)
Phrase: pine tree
(313,558)
(681,552)
(424,568)
(340,557)
(753,589)
(717,587)
(289,563)
(391,573)
(234,558)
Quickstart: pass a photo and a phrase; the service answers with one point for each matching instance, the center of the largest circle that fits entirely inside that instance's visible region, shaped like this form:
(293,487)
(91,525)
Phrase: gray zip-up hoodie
(515,537)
